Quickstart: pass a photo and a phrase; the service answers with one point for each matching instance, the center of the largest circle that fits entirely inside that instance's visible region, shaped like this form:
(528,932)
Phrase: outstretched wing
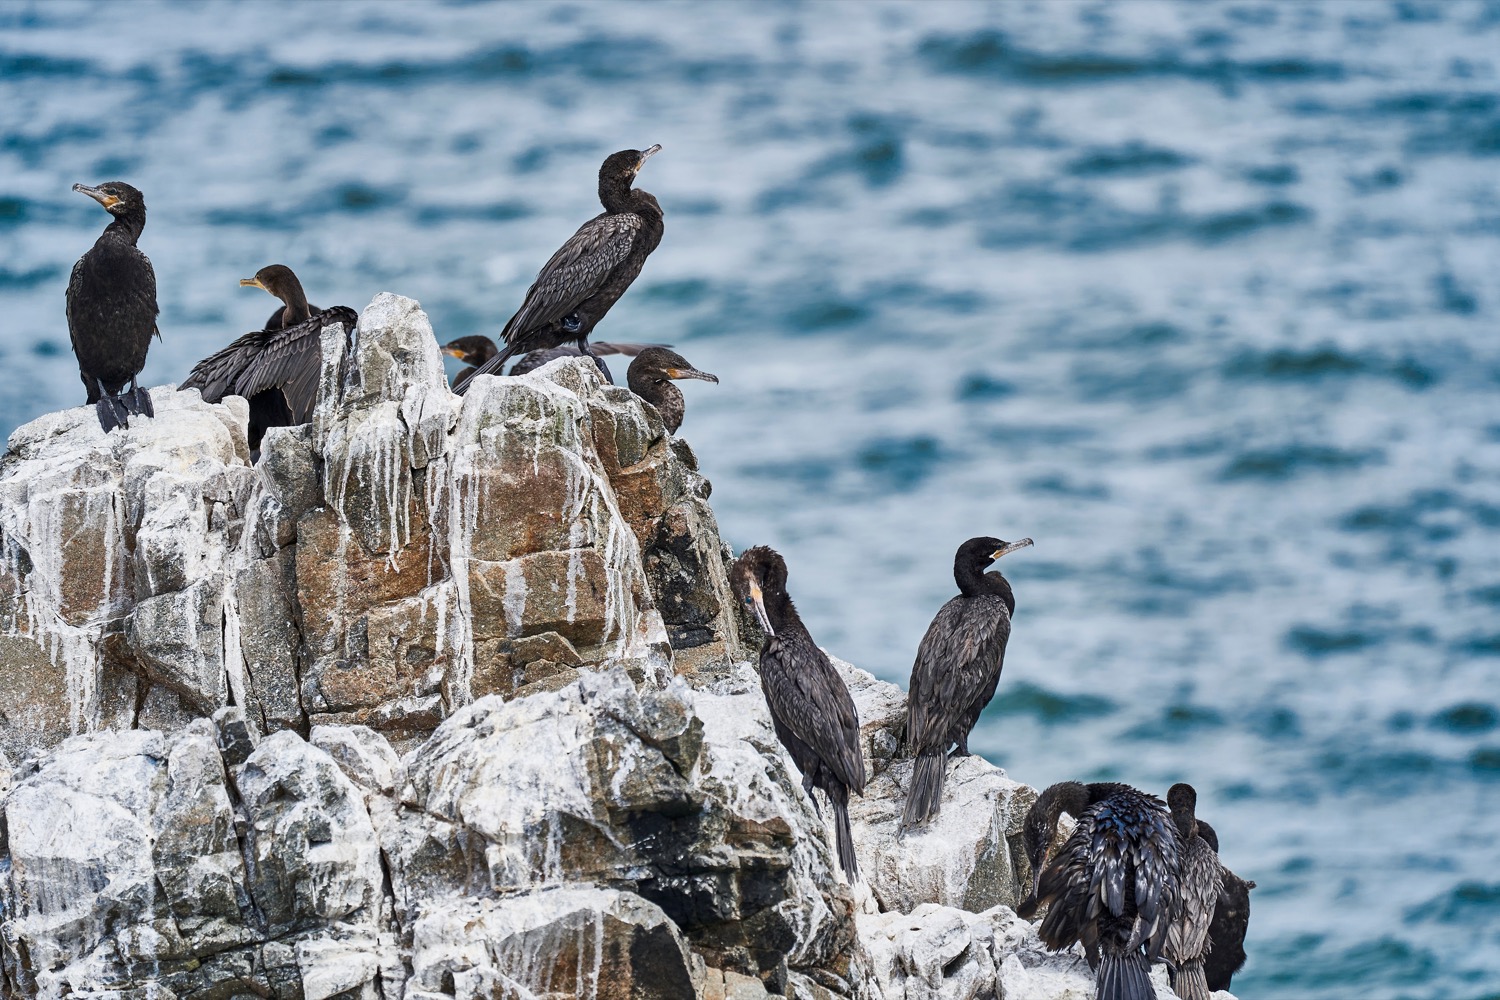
(808,696)
(575,272)
(958,662)
(292,362)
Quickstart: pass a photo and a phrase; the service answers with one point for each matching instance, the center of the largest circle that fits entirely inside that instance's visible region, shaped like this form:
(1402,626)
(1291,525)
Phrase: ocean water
(1202,297)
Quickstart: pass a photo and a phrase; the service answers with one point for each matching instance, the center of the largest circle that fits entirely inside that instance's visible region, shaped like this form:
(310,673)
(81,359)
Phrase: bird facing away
(650,377)
(1113,883)
(276,369)
(475,351)
(112,308)
(957,668)
(1226,933)
(1199,879)
(814,716)
(575,289)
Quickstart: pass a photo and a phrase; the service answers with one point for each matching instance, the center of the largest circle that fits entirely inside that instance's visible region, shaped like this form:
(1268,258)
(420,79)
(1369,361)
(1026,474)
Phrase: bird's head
(471,350)
(756,572)
(277,279)
(117,197)
(1182,799)
(658,364)
(977,553)
(625,164)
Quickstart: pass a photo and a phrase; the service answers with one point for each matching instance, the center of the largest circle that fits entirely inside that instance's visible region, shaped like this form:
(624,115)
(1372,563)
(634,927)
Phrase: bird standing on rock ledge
(957,669)
(112,308)
(591,271)
(810,706)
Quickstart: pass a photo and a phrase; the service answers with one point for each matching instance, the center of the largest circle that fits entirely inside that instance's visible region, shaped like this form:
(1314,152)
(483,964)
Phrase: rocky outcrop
(441,698)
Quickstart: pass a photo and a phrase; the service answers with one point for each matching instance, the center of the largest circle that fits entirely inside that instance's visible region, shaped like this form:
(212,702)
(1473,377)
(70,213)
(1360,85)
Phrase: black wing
(1135,853)
(575,272)
(289,360)
(961,654)
(806,693)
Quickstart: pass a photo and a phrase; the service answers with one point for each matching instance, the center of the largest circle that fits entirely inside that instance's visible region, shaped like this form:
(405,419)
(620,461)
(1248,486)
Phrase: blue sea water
(1202,297)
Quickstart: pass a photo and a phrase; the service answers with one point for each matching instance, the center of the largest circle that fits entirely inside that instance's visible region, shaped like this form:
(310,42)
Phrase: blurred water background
(1200,296)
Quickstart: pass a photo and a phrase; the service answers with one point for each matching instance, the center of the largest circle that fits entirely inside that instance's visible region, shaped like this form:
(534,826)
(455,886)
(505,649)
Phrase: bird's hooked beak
(1010,547)
(676,373)
(646,154)
(757,599)
(253,283)
(102,197)
(453,352)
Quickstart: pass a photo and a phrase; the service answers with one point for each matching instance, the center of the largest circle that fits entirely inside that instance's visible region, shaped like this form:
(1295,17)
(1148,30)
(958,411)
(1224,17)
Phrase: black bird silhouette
(957,668)
(276,369)
(1226,933)
(590,272)
(814,716)
(650,377)
(112,308)
(1113,883)
(1199,880)
(475,351)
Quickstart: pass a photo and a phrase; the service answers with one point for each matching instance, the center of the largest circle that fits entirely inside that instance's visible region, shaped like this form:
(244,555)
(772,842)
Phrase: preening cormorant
(475,351)
(814,716)
(957,667)
(276,369)
(1226,933)
(650,377)
(112,308)
(1199,880)
(574,290)
(1113,883)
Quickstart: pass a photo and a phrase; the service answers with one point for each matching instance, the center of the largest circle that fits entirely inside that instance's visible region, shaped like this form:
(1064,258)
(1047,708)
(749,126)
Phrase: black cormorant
(957,667)
(1199,880)
(112,308)
(650,377)
(475,351)
(276,369)
(1113,883)
(814,716)
(1226,934)
(574,290)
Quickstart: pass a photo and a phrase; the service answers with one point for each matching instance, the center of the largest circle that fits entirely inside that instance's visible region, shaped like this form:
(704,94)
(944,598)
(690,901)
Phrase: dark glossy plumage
(814,715)
(1199,880)
(276,370)
(956,671)
(650,377)
(1113,883)
(111,308)
(1231,921)
(588,274)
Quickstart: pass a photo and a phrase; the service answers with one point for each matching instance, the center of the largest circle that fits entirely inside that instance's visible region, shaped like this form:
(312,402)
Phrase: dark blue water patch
(1402,721)
(1326,361)
(1453,296)
(501,211)
(1313,641)
(1050,708)
(1151,383)
(33,148)
(1468,902)
(1486,595)
(490,63)
(683,292)
(1059,484)
(1274,722)
(978,387)
(876,154)
(12,211)
(1133,159)
(1273,174)
(900,464)
(1480,645)
(1305,962)
(1027,436)
(826,313)
(1386,178)
(1221,227)
(811,475)
(1290,461)
(16,66)
(1198,447)
(1177,721)
(1485,763)
(30,277)
(1467,717)
(48,349)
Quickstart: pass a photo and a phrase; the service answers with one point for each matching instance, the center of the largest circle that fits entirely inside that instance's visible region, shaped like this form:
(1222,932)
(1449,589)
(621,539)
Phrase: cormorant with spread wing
(591,271)
(957,668)
(277,369)
(111,308)
(814,716)
(1113,883)
(1199,879)
(650,377)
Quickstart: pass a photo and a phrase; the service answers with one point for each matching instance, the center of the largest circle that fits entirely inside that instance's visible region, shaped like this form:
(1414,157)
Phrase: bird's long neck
(1069,797)
(1186,822)
(973,581)
(296,311)
(127,227)
(616,193)
(781,611)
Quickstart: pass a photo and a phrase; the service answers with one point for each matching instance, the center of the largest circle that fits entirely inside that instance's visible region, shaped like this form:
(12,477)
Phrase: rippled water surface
(1201,297)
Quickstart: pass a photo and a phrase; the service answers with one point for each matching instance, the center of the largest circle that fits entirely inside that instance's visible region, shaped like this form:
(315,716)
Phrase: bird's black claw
(138,401)
(112,413)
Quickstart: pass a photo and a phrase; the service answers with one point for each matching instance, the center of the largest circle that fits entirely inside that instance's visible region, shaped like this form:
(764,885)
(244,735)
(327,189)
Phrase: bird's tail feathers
(844,838)
(1124,975)
(1189,981)
(925,797)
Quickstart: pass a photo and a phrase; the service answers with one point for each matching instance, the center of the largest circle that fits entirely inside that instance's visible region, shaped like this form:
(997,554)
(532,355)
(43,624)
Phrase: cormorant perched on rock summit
(277,369)
(1199,879)
(112,308)
(475,351)
(814,716)
(1113,883)
(957,668)
(650,377)
(591,271)
(1226,934)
